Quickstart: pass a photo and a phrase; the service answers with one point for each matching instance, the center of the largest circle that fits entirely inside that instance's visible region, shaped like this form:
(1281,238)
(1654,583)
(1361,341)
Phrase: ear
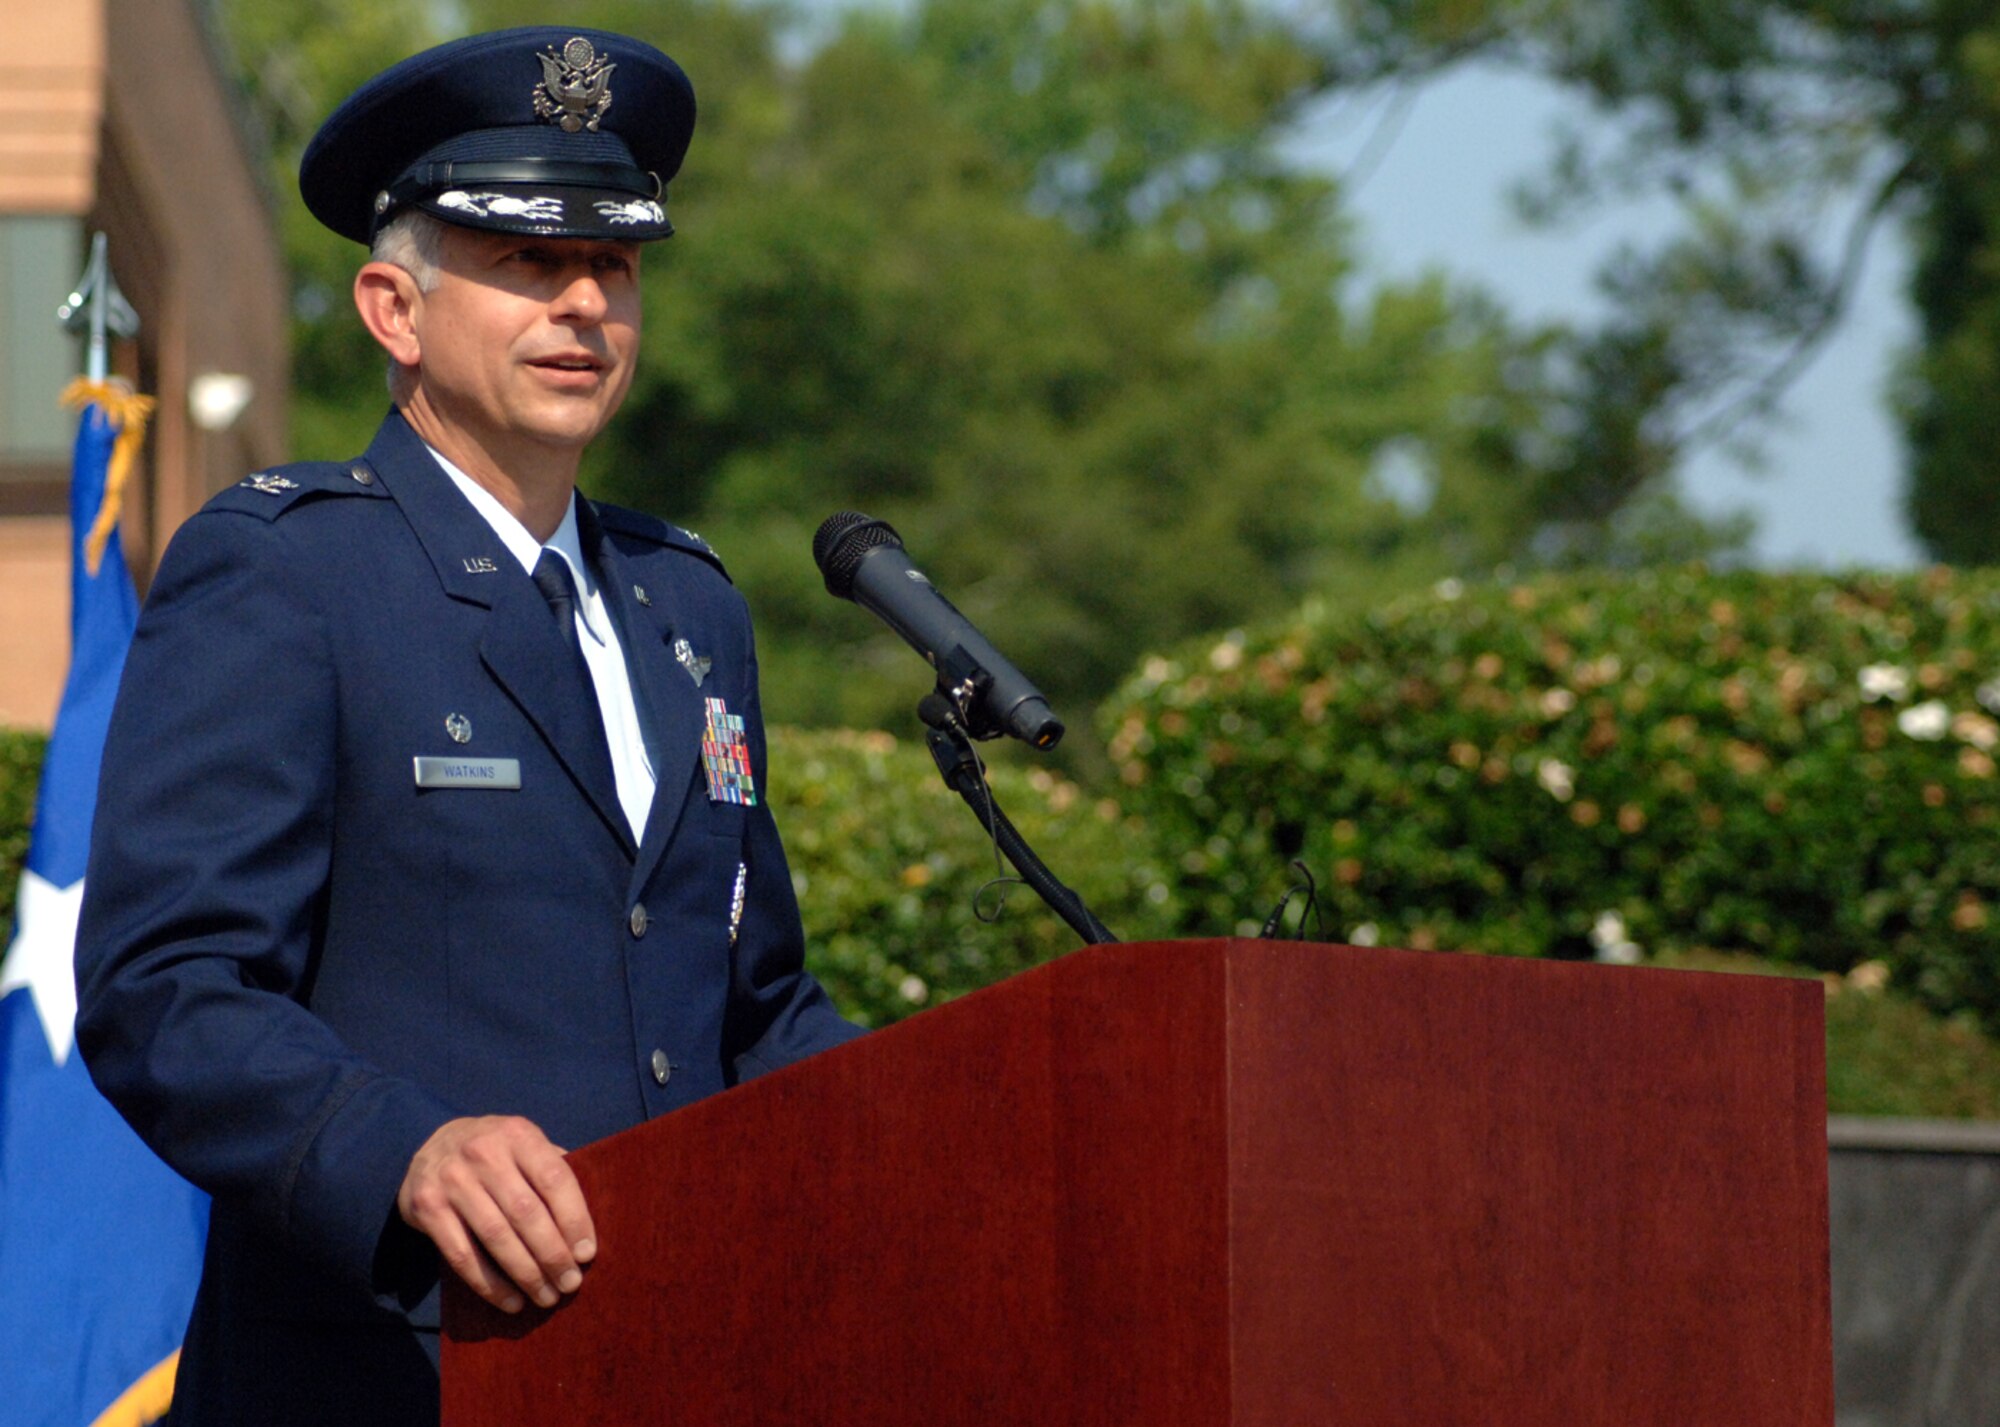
(387,298)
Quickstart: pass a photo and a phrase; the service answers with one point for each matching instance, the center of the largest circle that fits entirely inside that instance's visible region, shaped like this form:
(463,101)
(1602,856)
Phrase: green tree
(1031,282)
(294,63)
(1095,445)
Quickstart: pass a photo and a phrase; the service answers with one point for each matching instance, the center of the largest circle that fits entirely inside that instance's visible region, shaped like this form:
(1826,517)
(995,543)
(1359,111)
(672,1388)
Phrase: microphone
(863,560)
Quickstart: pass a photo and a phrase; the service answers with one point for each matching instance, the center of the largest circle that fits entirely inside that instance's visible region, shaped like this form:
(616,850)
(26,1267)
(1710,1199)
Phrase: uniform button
(362,475)
(661,1069)
(640,921)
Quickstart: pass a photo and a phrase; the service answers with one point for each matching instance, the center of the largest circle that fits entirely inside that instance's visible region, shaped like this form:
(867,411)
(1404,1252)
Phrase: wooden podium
(1220,1182)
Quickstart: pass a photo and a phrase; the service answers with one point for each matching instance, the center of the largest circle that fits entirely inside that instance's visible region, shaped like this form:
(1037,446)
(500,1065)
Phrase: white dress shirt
(601,651)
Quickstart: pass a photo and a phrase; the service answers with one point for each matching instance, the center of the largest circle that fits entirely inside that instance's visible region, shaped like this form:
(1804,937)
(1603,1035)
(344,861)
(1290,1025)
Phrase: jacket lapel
(520,645)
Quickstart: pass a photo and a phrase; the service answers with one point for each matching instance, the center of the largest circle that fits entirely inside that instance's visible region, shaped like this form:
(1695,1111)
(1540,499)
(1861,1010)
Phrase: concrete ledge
(1888,1132)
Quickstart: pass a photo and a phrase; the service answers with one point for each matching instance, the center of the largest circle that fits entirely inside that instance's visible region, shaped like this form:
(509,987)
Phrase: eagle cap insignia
(576,86)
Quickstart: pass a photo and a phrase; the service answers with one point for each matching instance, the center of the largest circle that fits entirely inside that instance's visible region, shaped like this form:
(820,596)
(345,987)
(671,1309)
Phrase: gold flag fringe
(145,1401)
(128,412)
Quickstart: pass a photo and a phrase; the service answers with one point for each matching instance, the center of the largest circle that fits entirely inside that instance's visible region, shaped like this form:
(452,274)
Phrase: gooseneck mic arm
(952,751)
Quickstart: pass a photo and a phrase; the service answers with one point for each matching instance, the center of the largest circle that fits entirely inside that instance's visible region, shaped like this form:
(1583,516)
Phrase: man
(432,835)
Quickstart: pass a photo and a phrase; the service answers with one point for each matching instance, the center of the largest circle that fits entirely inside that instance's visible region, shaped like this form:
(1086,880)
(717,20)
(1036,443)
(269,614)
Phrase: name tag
(502,773)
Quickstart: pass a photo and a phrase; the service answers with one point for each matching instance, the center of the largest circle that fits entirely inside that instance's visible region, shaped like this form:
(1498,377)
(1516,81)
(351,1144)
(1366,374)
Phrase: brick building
(120,117)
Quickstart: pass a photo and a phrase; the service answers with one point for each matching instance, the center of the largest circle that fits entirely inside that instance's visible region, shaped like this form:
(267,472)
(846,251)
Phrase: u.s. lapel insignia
(576,86)
(479,565)
(269,482)
(725,757)
(697,665)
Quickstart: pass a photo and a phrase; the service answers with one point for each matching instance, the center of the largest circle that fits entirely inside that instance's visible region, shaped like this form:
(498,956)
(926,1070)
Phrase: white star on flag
(41,957)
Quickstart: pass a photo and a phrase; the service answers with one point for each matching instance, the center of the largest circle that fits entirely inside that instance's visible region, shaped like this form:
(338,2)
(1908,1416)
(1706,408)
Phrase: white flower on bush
(1607,935)
(1557,778)
(1869,976)
(1884,681)
(1988,695)
(1367,934)
(1557,702)
(912,989)
(1928,721)
(1449,588)
(1976,729)
(1229,653)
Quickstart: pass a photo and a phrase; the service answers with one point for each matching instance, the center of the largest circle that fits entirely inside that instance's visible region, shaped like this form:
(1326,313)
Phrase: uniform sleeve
(206,886)
(779,1012)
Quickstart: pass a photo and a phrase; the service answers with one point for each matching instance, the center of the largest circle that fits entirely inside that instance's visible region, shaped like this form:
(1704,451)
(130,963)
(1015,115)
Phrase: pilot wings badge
(576,86)
(697,665)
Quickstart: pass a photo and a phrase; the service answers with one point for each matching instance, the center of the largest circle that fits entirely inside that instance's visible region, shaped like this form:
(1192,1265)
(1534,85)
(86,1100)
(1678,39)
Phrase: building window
(40,258)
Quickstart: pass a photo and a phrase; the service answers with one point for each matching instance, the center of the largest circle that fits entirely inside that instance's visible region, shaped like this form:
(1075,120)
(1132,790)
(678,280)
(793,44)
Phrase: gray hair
(414,242)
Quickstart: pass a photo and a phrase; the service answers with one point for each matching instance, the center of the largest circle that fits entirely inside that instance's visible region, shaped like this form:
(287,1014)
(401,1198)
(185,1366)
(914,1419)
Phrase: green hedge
(20,766)
(1797,767)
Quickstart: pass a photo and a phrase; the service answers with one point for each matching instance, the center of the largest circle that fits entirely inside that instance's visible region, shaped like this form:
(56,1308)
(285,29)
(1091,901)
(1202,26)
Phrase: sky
(1436,200)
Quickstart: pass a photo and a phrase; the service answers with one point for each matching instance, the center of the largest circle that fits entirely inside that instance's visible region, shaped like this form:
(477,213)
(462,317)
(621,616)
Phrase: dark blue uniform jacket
(294,964)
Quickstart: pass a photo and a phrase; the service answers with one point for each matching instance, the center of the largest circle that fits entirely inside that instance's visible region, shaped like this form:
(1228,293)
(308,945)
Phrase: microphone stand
(951,749)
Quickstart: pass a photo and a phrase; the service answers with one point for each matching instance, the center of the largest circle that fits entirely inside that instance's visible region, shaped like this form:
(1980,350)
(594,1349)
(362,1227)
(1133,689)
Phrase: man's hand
(502,1207)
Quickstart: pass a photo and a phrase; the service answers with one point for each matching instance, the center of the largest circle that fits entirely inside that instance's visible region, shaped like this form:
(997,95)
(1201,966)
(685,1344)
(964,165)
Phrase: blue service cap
(552,131)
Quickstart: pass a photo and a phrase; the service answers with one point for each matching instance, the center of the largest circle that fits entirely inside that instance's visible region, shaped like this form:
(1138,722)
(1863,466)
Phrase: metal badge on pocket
(501,774)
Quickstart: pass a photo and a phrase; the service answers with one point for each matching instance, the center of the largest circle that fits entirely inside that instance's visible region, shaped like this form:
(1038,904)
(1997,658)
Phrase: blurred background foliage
(1036,281)
(20,770)
(1033,282)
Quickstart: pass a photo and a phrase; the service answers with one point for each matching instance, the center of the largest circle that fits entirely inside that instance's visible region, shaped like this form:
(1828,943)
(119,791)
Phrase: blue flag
(100,1243)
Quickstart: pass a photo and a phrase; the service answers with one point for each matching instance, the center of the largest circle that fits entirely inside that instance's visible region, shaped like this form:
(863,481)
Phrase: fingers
(555,1184)
(503,1208)
(466,1259)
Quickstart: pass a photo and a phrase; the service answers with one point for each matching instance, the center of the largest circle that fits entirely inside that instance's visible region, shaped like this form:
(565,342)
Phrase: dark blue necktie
(558,587)
(552,578)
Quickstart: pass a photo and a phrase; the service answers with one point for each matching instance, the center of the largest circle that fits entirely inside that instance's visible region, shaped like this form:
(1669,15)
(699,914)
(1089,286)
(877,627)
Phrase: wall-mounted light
(216,399)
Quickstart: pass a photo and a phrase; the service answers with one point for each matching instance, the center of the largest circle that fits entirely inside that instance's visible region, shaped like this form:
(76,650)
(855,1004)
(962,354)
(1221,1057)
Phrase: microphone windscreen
(843,541)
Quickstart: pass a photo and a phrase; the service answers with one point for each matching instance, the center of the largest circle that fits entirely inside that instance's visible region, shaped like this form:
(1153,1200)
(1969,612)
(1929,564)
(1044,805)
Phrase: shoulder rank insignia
(725,757)
(269,482)
(576,86)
